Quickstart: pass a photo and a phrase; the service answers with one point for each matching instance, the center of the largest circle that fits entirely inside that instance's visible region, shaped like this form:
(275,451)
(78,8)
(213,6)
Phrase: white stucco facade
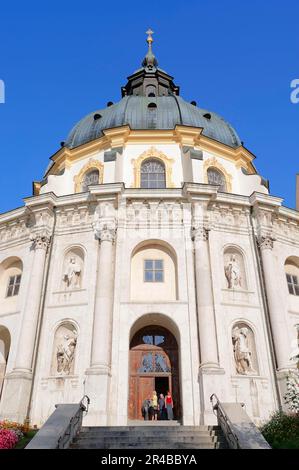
(74,291)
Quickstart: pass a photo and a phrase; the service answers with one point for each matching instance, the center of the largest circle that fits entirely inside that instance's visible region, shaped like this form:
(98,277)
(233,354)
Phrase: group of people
(154,408)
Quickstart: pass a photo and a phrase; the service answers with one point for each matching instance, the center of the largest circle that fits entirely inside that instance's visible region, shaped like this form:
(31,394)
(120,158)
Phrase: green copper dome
(151,101)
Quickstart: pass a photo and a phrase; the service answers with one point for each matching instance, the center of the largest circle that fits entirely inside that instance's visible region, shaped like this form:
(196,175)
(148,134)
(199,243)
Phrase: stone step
(149,437)
(153,428)
(126,445)
(128,439)
(157,435)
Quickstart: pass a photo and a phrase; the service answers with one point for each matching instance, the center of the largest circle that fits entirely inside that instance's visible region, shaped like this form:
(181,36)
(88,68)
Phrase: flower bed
(12,434)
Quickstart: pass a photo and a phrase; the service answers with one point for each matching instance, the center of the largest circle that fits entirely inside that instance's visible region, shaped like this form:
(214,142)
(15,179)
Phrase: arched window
(10,277)
(90,177)
(292,275)
(217,178)
(153,174)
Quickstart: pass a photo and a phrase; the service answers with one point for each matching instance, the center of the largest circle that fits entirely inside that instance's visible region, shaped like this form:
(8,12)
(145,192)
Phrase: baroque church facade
(150,257)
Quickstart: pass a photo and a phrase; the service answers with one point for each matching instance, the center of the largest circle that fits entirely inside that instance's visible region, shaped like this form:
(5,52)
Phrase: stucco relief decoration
(234,270)
(266,242)
(152,152)
(214,163)
(105,222)
(244,350)
(65,344)
(200,233)
(40,240)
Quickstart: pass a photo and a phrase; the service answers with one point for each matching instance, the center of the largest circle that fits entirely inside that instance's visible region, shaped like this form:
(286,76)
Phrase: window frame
(153,270)
(13,288)
(223,185)
(84,186)
(293,284)
(153,177)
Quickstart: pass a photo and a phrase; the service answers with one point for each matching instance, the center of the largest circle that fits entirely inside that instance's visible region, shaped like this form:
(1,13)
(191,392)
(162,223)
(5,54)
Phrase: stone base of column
(15,396)
(211,380)
(97,388)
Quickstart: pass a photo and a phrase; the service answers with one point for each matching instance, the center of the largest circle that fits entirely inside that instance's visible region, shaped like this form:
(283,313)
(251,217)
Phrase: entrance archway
(154,365)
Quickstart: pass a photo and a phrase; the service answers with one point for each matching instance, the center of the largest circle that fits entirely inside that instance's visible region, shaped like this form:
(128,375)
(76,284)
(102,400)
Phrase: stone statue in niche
(233,273)
(65,354)
(242,351)
(72,274)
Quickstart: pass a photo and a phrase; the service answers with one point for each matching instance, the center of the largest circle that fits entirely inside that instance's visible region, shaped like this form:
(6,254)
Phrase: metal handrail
(74,424)
(225,423)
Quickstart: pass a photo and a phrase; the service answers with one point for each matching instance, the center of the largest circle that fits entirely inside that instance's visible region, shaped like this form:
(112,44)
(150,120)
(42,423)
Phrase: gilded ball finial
(149,33)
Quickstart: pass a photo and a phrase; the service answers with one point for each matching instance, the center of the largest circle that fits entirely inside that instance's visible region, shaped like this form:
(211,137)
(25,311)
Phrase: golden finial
(149,39)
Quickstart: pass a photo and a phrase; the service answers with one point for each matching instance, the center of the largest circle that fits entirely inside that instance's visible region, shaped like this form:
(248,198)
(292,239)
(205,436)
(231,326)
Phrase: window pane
(158,264)
(159,276)
(289,278)
(11,280)
(295,279)
(216,177)
(16,289)
(152,174)
(9,291)
(148,264)
(296,289)
(18,281)
(290,286)
(148,276)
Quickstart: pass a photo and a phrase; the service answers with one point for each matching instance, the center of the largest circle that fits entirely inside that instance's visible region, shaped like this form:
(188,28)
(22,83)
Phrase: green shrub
(282,431)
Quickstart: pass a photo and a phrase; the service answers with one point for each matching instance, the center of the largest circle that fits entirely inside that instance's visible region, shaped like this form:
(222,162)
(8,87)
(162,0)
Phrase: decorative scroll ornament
(105,230)
(40,241)
(265,242)
(200,233)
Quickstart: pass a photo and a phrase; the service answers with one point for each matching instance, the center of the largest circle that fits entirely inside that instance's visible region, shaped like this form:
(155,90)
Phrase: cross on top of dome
(150,62)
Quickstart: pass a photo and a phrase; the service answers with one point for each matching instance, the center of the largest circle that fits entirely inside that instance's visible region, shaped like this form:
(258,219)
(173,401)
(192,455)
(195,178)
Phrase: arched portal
(154,365)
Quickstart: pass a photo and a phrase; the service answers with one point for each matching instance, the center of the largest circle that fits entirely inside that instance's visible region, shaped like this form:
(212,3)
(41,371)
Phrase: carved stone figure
(72,275)
(65,354)
(233,273)
(242,351)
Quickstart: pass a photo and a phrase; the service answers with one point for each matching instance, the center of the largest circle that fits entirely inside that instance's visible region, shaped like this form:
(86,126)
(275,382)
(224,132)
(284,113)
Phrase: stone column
(205,300)
(98,375)
(275,304)
(17,389)
(209,371)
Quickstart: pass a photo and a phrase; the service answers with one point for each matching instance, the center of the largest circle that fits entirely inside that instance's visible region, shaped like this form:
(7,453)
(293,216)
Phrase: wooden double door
(154,366)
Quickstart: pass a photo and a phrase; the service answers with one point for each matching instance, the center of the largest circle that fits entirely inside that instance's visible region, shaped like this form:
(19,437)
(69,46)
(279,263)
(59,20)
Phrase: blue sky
(62,59)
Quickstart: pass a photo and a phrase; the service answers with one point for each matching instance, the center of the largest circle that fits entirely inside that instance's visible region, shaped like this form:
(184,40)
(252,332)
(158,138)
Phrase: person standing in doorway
(155,405)
(161,406)
(169,405)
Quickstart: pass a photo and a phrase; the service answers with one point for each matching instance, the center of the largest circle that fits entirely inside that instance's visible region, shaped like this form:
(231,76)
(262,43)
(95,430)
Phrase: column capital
(266,242)
(200,233)
(105,231)
(40,241)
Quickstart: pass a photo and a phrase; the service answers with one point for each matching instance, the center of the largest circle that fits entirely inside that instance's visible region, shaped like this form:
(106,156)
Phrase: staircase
(150,436)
